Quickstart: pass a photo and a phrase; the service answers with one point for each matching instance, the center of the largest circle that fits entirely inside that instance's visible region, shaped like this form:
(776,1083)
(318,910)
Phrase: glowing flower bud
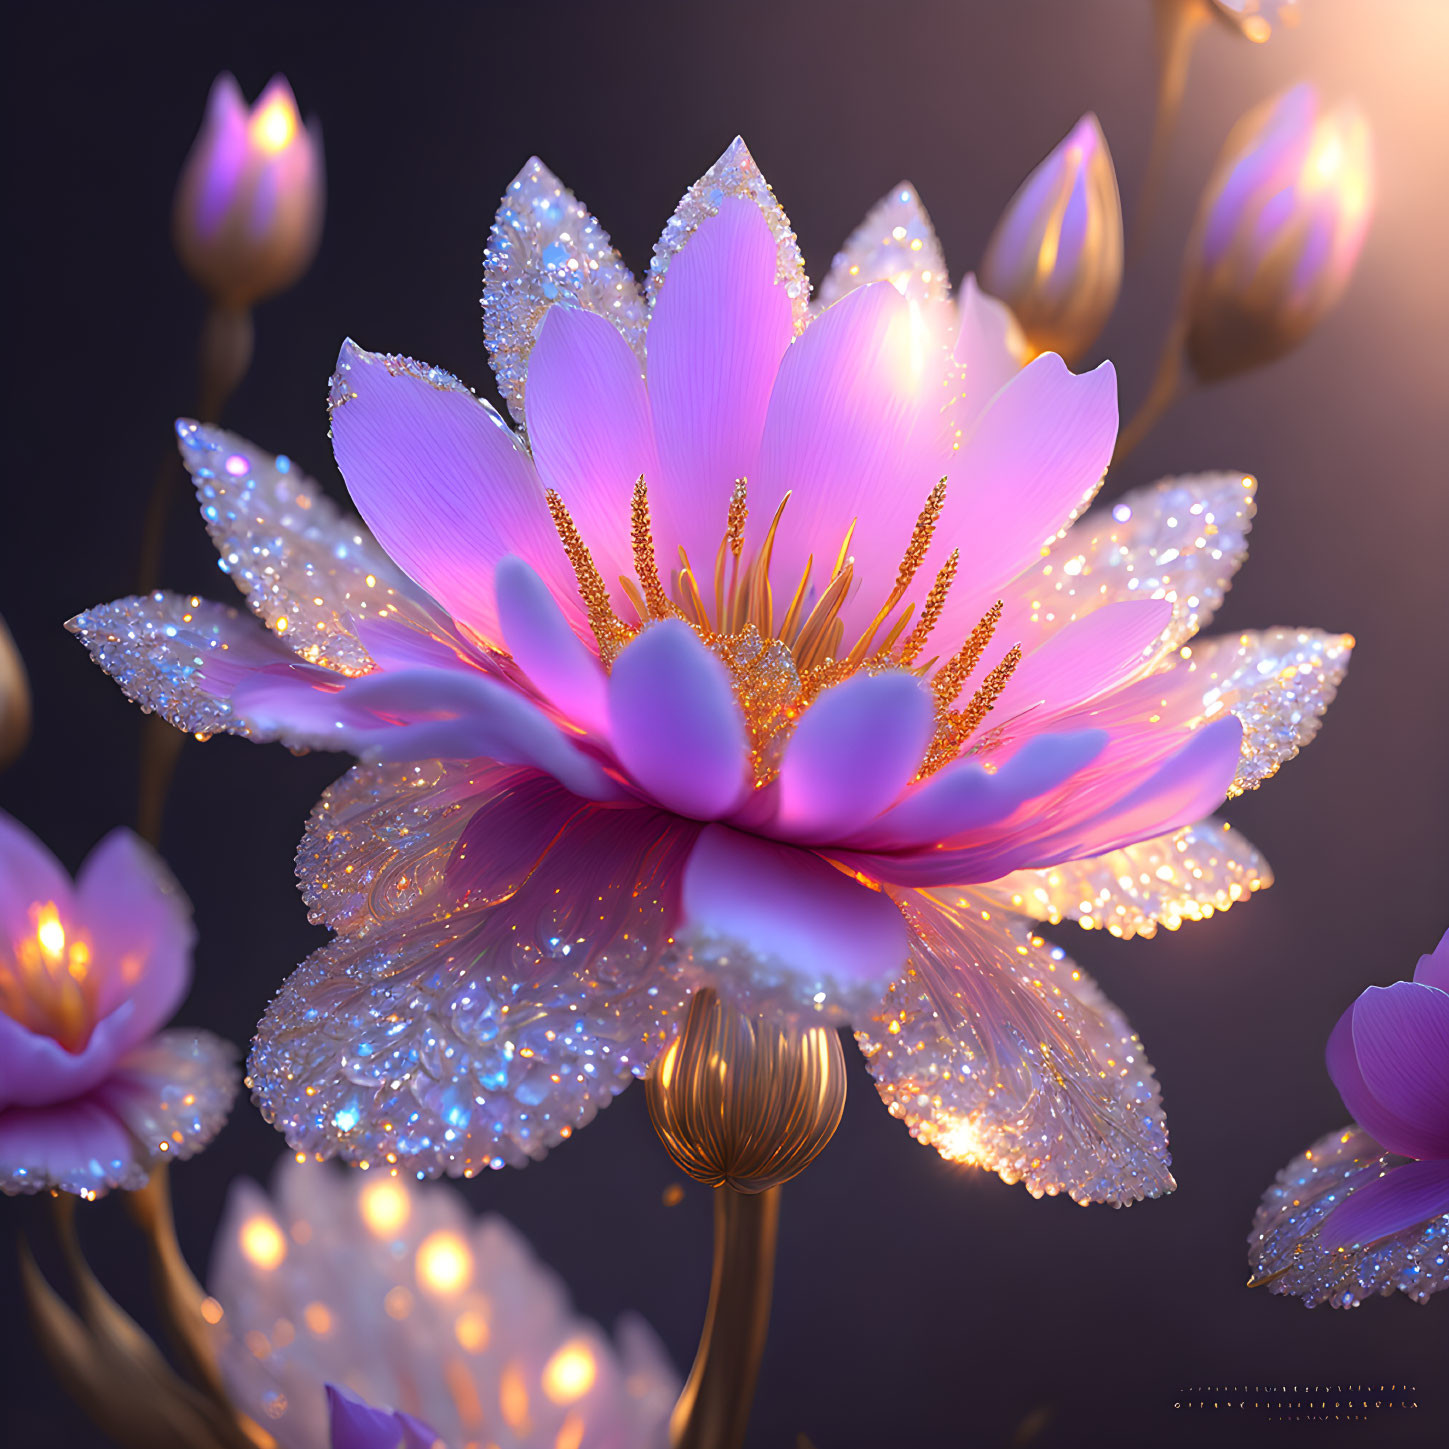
(1055,257)
(1257,19)
(14,699)
(248,211)
(1278,232)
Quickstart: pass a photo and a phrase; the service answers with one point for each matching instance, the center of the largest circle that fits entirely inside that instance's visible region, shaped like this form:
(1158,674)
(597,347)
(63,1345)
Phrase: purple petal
(565,670)
(674,722)
(36,1070)
(356,1425)
(589,425)
(791,915)
(30,876)
(720,325)
(141,931)
(853,752)
(1389,1058)
(439,479)
(1405,1196)
(76,1146)
(1433,969)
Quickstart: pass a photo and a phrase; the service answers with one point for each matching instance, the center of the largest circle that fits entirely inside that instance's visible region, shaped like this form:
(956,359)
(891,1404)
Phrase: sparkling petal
(444,485)
(1186,875)
(484,1036)
(354,1290)
(896,243)
(1287,1254)
(1406,1197)
(182,658)
(307,570)
(1277,681)
(544,248)
(1000,1052)
(734,174)
(780,931)
(77,1147)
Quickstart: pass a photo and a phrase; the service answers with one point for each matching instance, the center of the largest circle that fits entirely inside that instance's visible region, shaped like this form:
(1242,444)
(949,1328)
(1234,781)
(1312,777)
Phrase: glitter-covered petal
(1277,681)
(1284,1246)
(1181,540)
(378,840)
(308,570)
(1001,1053)
(734,174)
(183,657)
(485,1036)
(1184,876)
(895,243)
(544,248)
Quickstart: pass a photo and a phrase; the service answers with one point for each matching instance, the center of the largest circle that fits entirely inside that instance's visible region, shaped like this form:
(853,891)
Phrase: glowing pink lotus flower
(91,1096)
(824,739)
(396,1292)
(1366,1210)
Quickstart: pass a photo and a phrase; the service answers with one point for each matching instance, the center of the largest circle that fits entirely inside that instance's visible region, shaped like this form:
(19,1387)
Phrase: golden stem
(713,1412)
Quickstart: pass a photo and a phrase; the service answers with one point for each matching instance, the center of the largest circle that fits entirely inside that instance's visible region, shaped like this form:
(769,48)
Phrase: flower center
(45,981)
(779,666)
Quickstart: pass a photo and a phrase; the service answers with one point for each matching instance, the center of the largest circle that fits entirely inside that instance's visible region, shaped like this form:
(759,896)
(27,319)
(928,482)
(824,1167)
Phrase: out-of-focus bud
(249,204)
(743,1103)
(14,700)
(1278,232)
(1055,257)
(1257,19)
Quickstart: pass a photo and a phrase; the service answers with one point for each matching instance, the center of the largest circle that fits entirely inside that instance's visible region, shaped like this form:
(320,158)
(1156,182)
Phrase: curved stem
(1176,24)
(714,1409)
(1168,384)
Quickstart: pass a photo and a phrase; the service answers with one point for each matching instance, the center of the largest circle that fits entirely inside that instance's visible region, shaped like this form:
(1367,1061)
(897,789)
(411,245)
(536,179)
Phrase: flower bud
(1278,232)
(743,1103)
(14,699)
(1055,257)
(249,204)
(1256,19)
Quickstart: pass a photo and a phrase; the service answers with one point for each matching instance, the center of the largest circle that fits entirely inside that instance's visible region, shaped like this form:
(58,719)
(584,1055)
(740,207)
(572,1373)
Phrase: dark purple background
(917,1303)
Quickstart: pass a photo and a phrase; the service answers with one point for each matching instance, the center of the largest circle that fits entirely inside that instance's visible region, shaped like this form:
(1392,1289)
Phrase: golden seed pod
(14,699)
(743,1103)
(1055,257)
(1278,232)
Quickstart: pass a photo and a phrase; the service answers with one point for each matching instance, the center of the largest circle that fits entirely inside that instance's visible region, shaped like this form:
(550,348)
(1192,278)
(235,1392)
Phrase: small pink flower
(91,1095)
(767,652)
(249,204)
(1366,1210)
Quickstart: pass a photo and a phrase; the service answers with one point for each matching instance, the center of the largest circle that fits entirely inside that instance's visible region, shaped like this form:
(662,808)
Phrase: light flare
(46,981)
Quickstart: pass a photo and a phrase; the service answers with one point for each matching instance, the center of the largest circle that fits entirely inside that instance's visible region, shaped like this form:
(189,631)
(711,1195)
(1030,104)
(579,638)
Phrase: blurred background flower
(1366,1210)
(14,699)
(396,1292)
(91,1096)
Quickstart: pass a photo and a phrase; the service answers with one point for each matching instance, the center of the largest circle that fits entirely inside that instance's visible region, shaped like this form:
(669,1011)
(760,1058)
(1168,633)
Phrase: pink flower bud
(249,204)
(1055,257)
(1278,233)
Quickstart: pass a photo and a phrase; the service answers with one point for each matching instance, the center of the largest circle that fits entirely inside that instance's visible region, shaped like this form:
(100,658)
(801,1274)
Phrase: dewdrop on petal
(1278,233)
(1055,257)
(248,212)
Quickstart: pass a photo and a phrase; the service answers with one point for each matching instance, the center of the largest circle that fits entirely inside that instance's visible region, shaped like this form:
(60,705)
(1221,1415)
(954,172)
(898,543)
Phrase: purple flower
(767,654)
(1366,1210)
(356,1425)
(91,1096)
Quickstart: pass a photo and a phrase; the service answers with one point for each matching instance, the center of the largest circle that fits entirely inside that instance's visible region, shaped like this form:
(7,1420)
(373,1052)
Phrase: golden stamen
(635,597)
(792,614)
(738,514)
(955,727)
(954,673)
(641,536)
(931,609)
(843,556)
(809,647)
(686,591)
(610,632)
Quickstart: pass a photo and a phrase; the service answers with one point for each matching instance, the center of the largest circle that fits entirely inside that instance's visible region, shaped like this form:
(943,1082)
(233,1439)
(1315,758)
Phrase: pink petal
(396,645)
(854,750)
(77,1147)
(1034,457)
(989,347)
(1404,1197)
(29,876)
(1389,1058)
(543,644)
(439,479)
(588,423)
(966,796)
(720,325)
(674,722)
(35,1070)
(1087,658)
(790,912)
(141,931)
(855,430)
(1433,969)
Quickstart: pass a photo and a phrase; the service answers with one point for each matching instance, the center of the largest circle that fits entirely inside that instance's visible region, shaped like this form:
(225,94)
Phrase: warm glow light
(274,125)
(444,1262)
(513,1399)
(384,1206)
(569,1373)
(50,933)
(263,1243)
(318,1318)
(471,1331)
